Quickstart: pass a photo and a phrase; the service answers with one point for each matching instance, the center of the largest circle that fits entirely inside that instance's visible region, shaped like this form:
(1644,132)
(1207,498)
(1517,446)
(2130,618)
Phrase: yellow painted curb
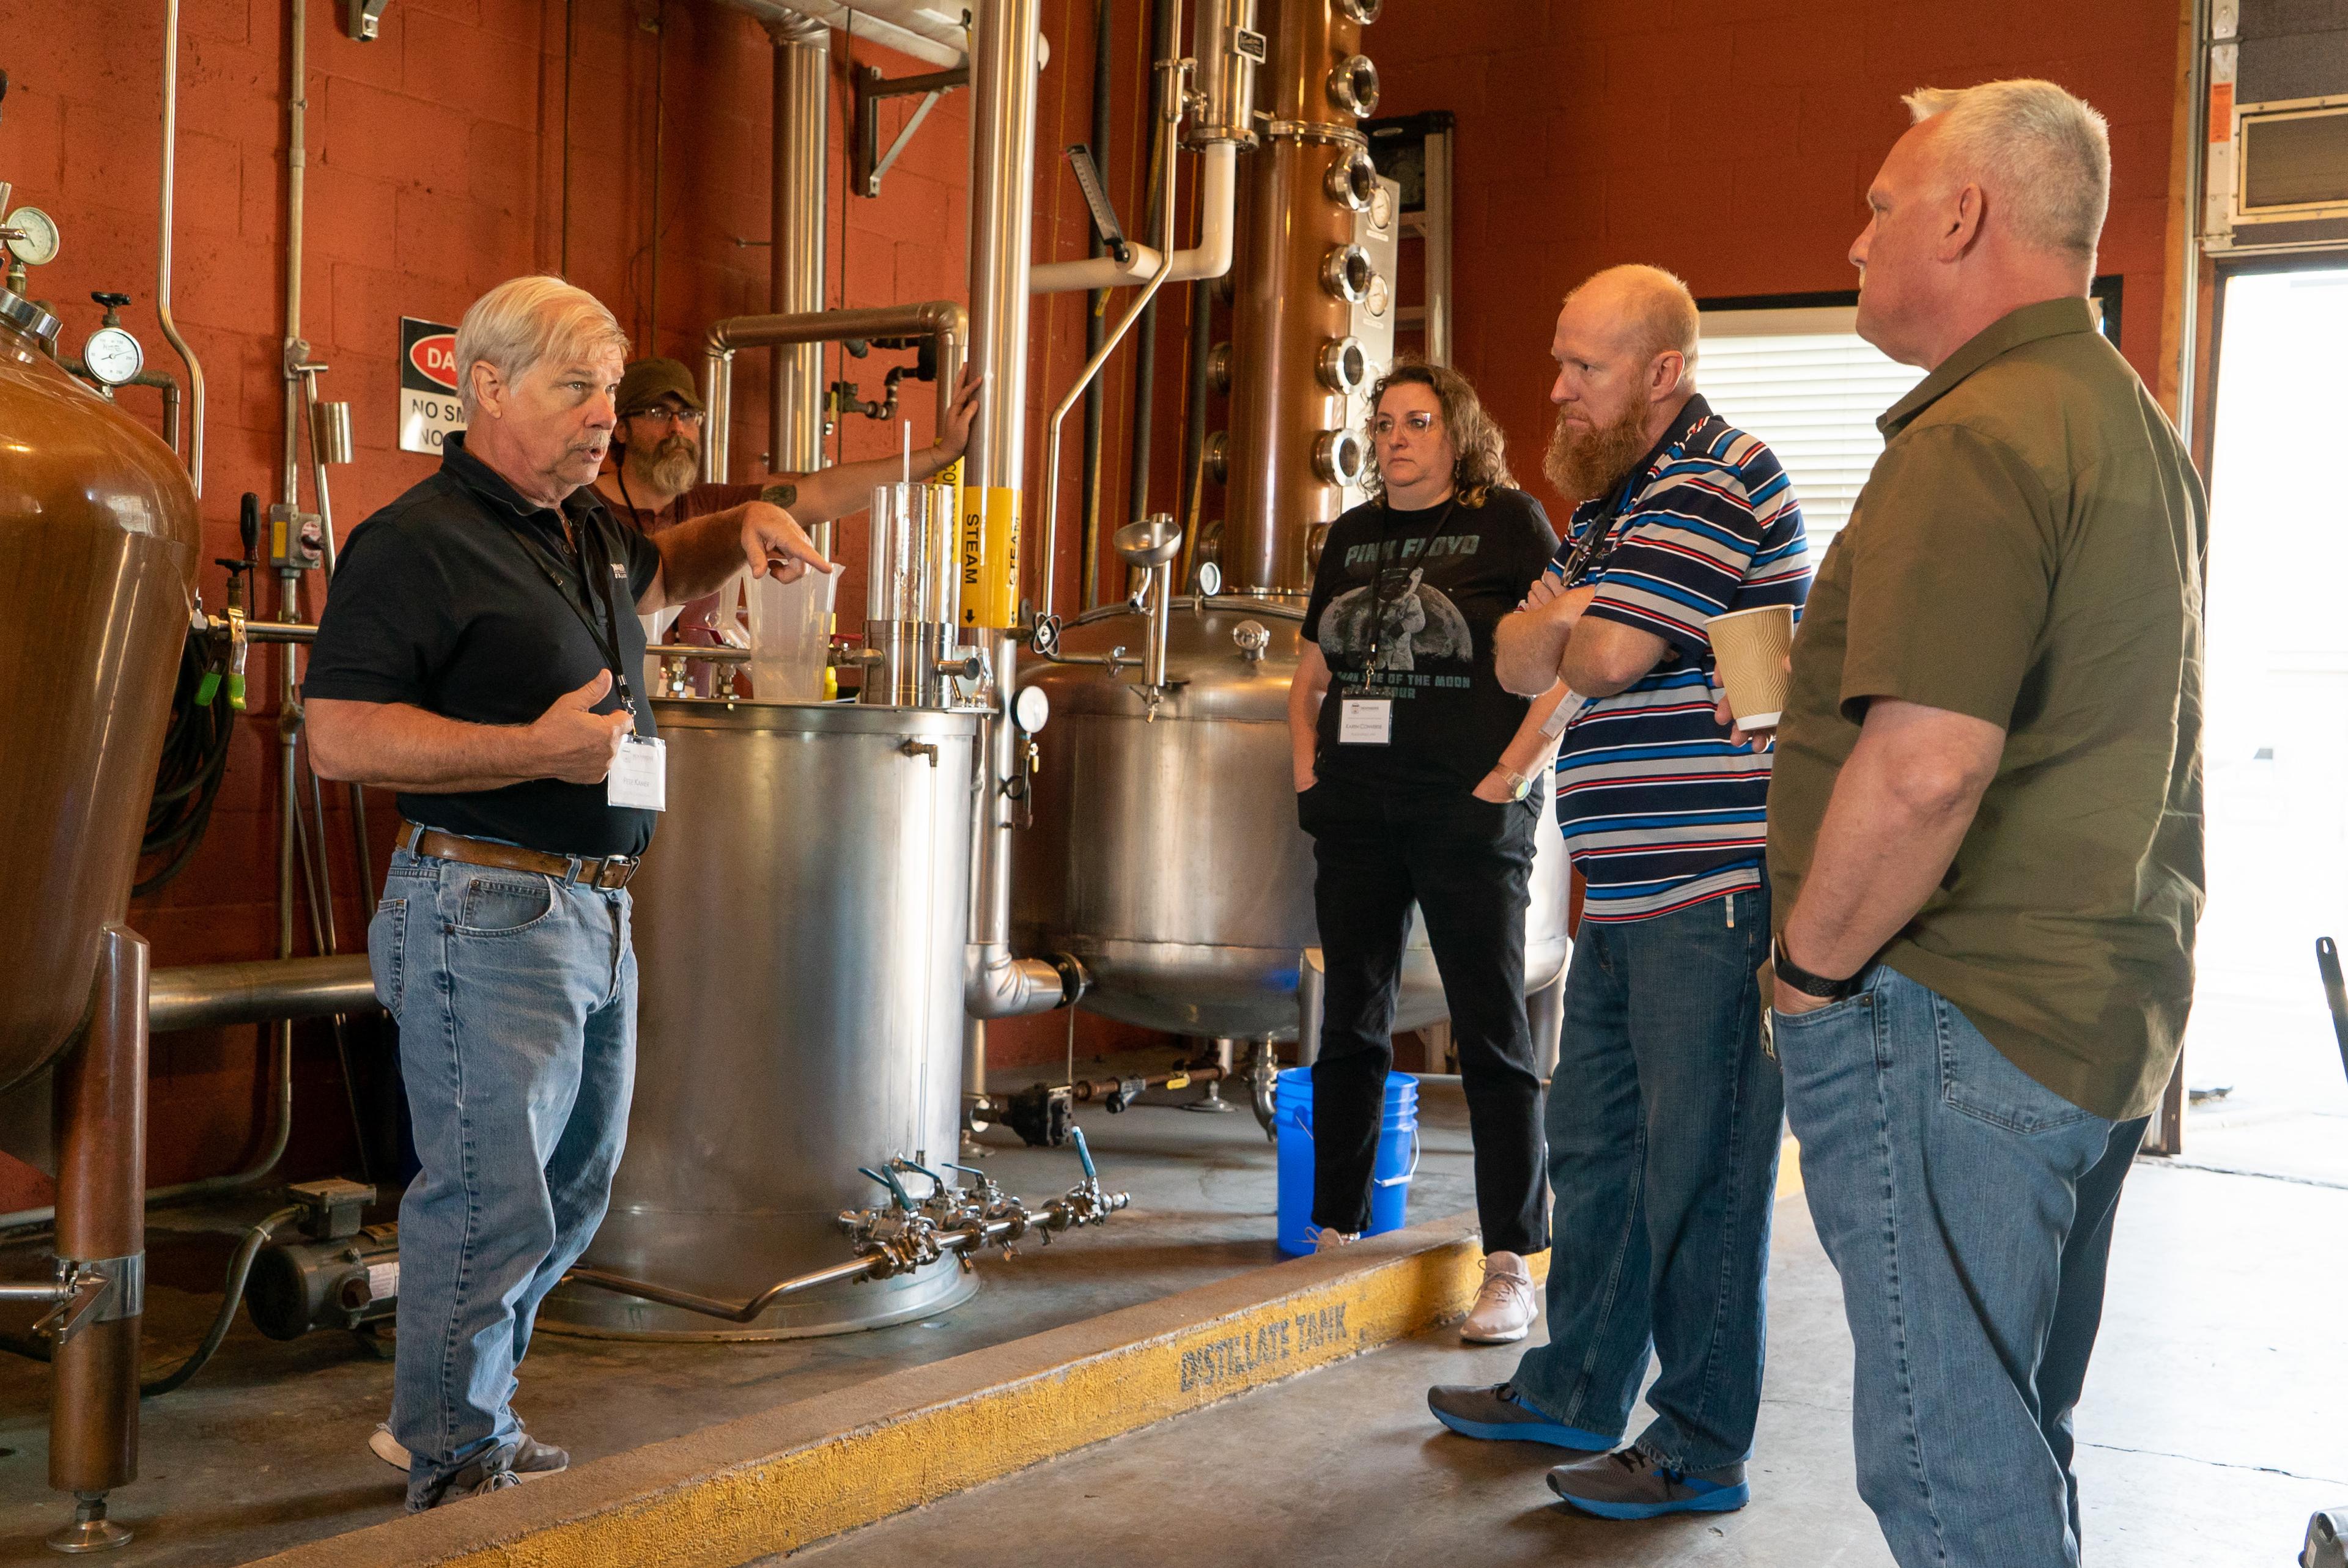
(733,1493)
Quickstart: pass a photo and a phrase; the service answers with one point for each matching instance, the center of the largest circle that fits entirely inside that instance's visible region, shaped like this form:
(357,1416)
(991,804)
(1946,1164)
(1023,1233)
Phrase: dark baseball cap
(647,381)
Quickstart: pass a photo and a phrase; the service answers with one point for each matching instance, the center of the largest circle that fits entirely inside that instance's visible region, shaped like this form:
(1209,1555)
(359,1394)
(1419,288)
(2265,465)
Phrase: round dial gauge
(1031,708)
(1379,299)
(35,240)
(1382,213)
(112,356)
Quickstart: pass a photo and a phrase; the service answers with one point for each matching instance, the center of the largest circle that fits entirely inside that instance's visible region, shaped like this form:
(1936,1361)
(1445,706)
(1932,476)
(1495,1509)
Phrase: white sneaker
(1503,1313)
(1326,1239)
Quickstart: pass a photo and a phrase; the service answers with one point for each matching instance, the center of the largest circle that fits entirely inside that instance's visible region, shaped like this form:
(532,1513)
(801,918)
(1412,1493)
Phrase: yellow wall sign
(989,557)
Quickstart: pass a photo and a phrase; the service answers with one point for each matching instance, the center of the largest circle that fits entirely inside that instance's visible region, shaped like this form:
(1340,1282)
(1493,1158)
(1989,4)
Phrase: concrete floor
(2210,1431)
(266,1448)
(2208,1428)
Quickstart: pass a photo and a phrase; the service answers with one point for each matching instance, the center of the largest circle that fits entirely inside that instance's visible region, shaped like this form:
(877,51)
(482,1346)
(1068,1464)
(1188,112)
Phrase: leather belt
(607,871)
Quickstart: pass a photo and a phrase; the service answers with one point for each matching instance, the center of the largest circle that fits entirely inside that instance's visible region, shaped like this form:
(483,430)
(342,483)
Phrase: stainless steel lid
(28,317)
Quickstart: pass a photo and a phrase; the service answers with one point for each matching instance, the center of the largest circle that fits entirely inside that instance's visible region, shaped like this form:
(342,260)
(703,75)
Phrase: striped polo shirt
(1659,811)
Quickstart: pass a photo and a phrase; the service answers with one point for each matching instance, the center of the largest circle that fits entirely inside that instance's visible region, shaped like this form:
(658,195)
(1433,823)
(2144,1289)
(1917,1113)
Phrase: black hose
(187,777)
(240,1269)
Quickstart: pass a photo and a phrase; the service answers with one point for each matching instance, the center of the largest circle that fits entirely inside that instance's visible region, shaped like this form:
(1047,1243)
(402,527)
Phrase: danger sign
(428,408)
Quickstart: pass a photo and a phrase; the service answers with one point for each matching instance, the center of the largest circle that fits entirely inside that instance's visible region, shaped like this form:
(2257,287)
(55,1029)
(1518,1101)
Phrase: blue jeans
(516,999)
(1664,1127)
(1969,1211)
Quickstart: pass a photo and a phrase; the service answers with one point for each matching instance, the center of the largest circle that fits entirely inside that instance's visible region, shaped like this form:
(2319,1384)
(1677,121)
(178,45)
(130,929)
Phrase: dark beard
(1586,464)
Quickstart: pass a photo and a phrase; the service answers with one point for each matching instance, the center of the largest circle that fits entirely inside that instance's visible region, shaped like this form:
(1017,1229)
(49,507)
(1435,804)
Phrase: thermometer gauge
(112,356)
(34,242)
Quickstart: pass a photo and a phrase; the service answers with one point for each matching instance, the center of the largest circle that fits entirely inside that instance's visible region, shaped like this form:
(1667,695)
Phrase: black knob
(248,522)
(111,302)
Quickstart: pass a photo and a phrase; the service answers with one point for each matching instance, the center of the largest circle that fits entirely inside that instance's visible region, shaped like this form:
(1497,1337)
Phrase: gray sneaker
(1637,1484)
(493,1471)
(1496,1415)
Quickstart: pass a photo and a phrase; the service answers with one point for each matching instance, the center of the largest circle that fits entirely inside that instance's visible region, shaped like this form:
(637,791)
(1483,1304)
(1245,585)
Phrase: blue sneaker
(1637,1484)
(1496,1415)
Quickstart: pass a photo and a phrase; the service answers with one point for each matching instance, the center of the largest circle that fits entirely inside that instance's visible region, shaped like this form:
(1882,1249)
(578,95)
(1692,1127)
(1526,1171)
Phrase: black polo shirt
(447,600)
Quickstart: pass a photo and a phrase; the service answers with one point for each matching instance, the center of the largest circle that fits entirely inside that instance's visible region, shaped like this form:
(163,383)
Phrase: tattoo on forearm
(780,495)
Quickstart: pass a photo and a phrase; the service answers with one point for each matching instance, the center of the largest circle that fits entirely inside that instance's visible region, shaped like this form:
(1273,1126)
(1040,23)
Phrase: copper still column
(1298,274)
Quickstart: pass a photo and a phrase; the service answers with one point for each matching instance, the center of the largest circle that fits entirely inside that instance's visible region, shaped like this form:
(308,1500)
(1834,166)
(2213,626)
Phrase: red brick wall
(1732,141)
(1729,141)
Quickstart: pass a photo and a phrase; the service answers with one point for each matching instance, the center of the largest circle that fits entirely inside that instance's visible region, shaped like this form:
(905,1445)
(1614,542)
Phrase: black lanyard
(599,568)
(1378,578)
(1597,541)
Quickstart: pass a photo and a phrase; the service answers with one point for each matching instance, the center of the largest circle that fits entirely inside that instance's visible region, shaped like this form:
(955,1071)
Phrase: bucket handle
(1404,1180)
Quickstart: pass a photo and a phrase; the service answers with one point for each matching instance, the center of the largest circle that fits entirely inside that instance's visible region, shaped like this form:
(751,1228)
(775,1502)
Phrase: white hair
(524,321)
(2038,150)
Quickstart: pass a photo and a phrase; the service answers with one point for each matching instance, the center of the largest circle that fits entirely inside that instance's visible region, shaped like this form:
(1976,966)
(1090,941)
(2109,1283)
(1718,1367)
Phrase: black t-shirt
(1452,572)
(444,600)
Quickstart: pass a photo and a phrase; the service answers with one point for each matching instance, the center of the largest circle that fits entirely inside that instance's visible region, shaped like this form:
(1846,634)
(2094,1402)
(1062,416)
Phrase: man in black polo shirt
(475,655)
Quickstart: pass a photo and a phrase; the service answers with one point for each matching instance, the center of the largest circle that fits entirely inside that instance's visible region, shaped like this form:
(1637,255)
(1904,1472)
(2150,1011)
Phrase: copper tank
(98,529)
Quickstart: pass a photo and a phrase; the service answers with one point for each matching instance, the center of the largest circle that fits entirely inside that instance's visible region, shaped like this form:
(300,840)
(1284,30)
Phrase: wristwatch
(1809,984)
(1519,784)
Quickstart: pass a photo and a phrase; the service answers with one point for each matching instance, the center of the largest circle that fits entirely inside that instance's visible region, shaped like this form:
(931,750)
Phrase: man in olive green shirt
(1985,827)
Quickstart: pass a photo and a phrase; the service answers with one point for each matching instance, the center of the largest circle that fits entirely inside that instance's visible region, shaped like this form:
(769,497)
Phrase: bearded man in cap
(653,477)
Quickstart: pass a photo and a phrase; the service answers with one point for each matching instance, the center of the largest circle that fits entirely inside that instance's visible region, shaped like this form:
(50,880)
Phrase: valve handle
(111,301)
(937,1183)
(889,1180)
(1083,1152)
(248,523)
(967,1170)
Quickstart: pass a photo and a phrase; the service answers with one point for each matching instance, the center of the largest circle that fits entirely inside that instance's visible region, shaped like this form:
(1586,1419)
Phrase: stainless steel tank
(98,533)
(799,926)
(1165,854)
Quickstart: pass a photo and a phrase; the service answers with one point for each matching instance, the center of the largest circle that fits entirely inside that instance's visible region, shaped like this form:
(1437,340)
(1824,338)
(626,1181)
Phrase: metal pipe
(943,321)
(2197,163)
(163,241)
(1194,425)
(1175,70)
(795,258)
(1210,258)
(101,1171)
(1096,304)
(1167,17)
(263,631)
(214,995)
(908,26)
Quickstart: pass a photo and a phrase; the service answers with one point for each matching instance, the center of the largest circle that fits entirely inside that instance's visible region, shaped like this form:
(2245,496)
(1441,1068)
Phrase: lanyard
(599,568)
(1378,578)
(1597,541)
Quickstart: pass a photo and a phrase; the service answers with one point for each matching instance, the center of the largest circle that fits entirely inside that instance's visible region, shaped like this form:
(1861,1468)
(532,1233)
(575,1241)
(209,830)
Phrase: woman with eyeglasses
(1416,776)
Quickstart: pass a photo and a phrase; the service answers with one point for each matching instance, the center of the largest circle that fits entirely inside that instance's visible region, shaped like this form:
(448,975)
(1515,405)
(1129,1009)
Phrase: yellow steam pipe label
(989,557)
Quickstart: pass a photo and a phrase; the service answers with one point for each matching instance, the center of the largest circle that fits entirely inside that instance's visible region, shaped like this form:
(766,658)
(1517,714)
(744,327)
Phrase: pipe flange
(1353,181)
(1340,458)
(1218,457)
(1354,86)
(1347,273)
(1362,10)
(1219,369)
(1343,365)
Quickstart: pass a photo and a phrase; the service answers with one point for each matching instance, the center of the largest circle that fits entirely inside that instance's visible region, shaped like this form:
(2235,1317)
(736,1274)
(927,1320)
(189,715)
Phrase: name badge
(639,775)
(1365,721)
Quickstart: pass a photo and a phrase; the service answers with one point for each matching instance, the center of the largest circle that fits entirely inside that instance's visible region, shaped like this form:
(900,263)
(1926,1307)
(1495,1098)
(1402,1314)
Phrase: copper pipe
(101,1099)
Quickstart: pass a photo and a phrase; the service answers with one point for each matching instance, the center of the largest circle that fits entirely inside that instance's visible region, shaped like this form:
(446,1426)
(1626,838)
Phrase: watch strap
(1809,984)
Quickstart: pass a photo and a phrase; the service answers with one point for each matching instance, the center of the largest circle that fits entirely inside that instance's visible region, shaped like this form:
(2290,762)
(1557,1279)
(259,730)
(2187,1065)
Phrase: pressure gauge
(112,356)
(1382,213)
(1377,298)
(35,241)
(1031,709)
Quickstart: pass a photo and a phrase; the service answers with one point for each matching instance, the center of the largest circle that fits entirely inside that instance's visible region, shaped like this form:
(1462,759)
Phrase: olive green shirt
(2031,550)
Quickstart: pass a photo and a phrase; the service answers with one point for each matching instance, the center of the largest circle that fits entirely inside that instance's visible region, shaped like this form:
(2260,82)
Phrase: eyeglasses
(683,418)
(1417,424)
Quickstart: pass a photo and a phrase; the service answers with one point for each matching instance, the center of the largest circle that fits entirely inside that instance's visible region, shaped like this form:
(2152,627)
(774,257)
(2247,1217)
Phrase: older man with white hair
(1985,827)
(475,655)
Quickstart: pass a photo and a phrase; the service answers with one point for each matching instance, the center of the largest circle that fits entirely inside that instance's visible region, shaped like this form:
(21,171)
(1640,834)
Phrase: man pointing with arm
(475,655)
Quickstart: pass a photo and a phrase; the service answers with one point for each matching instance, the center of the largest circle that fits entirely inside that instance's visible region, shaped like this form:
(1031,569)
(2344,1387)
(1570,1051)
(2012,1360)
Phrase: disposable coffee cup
(1749,648)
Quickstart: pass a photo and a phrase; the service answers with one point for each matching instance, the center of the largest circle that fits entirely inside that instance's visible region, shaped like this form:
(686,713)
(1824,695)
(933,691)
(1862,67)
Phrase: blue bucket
(1398,1160)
